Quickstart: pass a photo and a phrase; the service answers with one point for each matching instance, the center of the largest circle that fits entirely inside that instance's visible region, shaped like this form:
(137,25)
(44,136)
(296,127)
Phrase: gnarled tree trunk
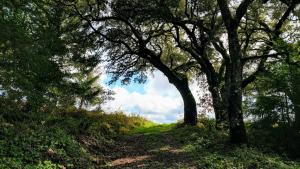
(180,81)
(190,107)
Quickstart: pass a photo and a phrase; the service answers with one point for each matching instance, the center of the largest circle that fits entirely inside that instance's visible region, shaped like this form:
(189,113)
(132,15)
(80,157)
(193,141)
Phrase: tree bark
(180,81)
(218,100)
(219,108)
(295,84)
(190,107)
(234,70)
(297,117)
(233,83)
(235,114)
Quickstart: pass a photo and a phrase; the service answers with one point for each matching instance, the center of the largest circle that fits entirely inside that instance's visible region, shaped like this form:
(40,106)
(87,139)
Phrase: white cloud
(160,102)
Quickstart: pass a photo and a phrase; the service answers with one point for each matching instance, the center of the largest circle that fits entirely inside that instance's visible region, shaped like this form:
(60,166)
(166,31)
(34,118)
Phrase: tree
(231,49)
(234,66)
(26,47)
(88,92)
(274,98)
(134,45)
(37,54)
(195,25)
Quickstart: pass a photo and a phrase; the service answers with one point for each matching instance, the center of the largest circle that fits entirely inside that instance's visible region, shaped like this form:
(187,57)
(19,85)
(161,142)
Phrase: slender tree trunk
(190,107)
(234,89)
(297,117)
(219,108)
(217,100)
(80,104)
(295,98)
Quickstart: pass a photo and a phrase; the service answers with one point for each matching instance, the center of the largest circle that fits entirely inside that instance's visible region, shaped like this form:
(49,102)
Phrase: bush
(51,140)
(278,137)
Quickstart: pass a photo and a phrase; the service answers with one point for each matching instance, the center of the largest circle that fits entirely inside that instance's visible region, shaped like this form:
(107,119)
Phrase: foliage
(273,106)
(27,70)
(73,139)
(39,55)
(49,51)
(53,141)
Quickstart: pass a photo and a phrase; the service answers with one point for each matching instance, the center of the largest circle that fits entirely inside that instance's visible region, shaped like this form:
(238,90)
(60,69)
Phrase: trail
(172,147)
(155,147)
(160,150)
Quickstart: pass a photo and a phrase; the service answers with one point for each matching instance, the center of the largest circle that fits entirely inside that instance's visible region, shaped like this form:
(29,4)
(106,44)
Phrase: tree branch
(218,45)
(275,55)
(226,14)
(254,75)
(241,10)
(284,17)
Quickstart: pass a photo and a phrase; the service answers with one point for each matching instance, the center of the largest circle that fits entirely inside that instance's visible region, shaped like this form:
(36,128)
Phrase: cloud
(160,101)
(156,100)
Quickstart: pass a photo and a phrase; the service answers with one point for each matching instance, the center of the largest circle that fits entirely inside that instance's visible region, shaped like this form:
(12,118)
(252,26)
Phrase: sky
(156,100)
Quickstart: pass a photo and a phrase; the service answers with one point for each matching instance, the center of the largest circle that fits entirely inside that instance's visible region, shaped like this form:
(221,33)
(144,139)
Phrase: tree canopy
(229,42)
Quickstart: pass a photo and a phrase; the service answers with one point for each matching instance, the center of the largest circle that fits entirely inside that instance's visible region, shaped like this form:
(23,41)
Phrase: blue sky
(132,87)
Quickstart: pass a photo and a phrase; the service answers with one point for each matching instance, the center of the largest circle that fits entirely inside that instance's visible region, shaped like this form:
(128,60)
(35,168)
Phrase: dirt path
(147,151)
(184,148)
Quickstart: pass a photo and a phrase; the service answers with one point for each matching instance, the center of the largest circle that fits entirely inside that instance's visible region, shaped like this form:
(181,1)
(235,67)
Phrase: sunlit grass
(152,128)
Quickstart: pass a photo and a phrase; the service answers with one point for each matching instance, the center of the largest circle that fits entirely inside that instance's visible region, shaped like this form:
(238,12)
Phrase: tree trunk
(235,114)
(190,107)
(233,83)
(234,71)
(295,98)
(219,108)
(182,85)
(217,99)
(220,111)
(297,117)
(80,104)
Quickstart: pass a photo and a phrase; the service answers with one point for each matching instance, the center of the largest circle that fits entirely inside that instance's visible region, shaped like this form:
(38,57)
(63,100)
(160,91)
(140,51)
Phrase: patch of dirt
(145,151)
(128,160)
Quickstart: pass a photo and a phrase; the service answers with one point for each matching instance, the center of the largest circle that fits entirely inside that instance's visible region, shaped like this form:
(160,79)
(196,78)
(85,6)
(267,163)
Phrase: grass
(173,146)
(153,128)
(59,140)
(99,140)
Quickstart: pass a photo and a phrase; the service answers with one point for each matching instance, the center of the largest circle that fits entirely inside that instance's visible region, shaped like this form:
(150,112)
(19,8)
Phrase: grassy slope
(169,146)
(97,140)
(57,140)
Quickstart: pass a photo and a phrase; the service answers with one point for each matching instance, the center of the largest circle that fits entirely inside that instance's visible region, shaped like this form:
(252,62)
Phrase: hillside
(98,140)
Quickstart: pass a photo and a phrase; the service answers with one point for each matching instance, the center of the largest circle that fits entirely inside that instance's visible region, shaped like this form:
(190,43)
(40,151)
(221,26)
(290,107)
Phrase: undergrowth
(77,139)
(209,148)
(51,140)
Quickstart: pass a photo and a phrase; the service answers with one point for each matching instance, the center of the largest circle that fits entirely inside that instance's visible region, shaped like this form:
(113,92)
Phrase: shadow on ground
(170,146)
(161,150)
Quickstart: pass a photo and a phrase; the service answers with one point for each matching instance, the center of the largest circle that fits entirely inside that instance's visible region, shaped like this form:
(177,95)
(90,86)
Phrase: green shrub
(51,140)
